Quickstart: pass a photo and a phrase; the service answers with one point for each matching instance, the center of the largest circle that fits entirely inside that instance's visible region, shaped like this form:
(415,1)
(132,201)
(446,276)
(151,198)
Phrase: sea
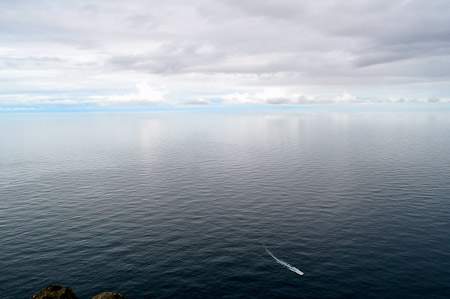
(226,204)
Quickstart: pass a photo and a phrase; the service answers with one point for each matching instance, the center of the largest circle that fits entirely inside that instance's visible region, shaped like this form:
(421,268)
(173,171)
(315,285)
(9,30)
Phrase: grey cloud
(433,99)
(279,101)
(282,9)
(304,37)
(274,43)
(378,58)
(199,102)
(168,58)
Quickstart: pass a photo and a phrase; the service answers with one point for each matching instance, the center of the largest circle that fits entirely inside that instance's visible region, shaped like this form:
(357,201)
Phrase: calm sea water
(181,204)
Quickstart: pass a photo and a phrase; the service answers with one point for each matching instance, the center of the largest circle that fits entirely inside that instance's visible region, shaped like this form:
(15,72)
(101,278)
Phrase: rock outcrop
(54,291)
(109,295)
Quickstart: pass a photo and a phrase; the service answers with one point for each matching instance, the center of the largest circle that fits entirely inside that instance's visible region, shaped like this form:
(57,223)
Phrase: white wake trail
(283,263)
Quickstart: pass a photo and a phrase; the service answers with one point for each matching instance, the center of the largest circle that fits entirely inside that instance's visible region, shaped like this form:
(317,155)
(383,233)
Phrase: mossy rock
(54,291)
(109,295)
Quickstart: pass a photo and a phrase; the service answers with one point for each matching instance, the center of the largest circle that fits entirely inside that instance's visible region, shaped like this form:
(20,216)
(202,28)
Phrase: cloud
(433,99)
(370,59)
(345,98)
(410,100)
(273,96)
(18,109)
(277,96)
(146,95)
(198,102)
(89,51)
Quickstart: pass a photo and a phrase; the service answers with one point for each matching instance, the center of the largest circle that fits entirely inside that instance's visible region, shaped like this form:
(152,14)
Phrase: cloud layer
(266,52)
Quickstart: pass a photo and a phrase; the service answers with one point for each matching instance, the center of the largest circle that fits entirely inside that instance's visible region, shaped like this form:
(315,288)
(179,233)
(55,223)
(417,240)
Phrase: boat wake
(283,263)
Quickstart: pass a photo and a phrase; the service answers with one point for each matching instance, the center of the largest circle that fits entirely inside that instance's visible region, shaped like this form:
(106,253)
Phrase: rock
(54,291)
(109,295)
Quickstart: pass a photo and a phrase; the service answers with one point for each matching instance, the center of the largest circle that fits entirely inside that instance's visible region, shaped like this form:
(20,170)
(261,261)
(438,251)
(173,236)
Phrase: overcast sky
(224,52)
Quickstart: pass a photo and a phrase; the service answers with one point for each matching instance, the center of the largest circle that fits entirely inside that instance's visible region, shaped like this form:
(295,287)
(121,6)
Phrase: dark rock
(54,291)
(109,295)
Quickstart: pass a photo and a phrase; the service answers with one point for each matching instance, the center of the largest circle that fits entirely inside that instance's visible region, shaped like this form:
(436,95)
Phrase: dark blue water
(181,204)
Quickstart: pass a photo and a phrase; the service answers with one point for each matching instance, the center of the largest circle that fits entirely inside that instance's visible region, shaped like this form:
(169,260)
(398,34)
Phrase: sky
(69,55)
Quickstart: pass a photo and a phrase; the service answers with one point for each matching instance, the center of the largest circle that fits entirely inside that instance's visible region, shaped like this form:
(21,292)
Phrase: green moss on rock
(54,291)
(109,295)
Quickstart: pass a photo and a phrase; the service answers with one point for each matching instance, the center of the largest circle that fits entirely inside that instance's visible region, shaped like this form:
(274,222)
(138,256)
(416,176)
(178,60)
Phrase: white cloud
(266,96)
(345,98)
(238,98)
(146,95)
(280,96)
(18,109)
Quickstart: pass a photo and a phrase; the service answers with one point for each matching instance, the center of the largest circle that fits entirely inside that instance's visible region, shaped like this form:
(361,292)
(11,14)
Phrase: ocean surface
(184,204)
